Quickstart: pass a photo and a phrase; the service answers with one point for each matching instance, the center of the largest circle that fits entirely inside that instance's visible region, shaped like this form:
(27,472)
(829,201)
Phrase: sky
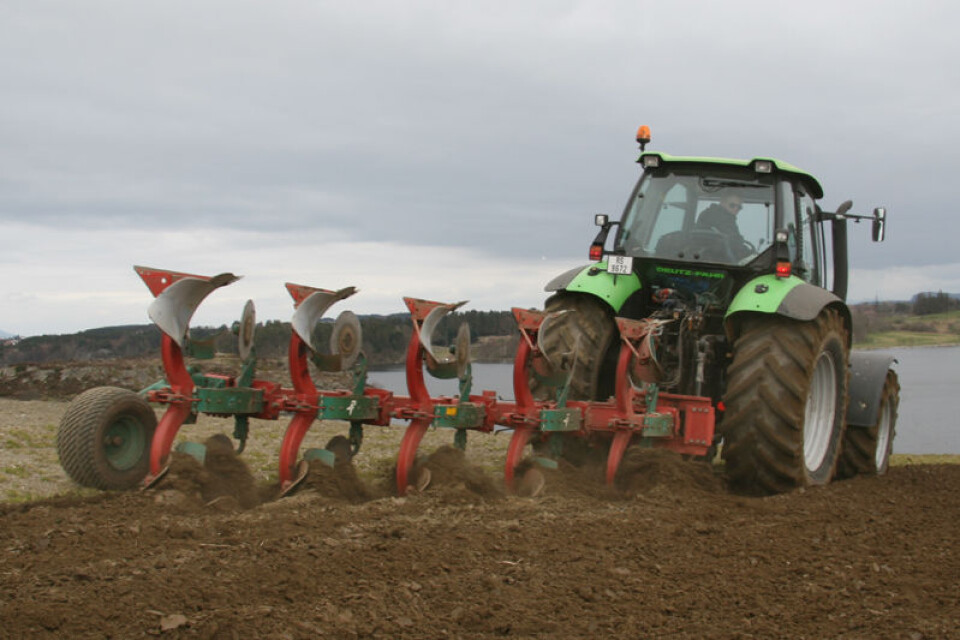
(445,149)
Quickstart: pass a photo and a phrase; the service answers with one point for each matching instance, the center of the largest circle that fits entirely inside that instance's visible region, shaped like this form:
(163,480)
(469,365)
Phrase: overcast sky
(446,150)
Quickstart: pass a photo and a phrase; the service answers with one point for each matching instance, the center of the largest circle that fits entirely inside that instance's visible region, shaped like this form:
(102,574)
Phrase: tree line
(928,303)
(385,339)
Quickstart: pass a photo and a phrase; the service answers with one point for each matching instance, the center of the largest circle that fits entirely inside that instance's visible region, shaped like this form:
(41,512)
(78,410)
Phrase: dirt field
(669,554)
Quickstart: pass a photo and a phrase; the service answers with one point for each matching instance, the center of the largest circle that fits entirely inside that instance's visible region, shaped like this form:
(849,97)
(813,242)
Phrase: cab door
(804,233)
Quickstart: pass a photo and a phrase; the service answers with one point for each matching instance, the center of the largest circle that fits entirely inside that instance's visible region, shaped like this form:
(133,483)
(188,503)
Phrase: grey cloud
(499,126)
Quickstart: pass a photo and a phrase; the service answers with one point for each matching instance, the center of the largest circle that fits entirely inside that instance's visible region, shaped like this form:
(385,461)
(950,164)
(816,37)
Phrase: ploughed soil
(212,552)
(670,553)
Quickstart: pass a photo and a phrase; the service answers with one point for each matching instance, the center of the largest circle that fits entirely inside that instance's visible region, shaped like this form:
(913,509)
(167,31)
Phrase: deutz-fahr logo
(690,273)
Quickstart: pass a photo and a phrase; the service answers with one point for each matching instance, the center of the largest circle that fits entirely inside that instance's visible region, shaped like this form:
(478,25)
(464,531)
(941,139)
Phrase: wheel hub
(883,434)
(124,443)
(820,412)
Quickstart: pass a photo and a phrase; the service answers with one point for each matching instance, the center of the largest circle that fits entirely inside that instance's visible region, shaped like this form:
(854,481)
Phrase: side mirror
(602,220)
(879,223)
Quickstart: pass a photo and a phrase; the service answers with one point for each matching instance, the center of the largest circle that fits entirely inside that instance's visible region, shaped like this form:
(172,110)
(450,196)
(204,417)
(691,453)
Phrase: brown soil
(459,480)
(222,480)
(669,552)
(338,483)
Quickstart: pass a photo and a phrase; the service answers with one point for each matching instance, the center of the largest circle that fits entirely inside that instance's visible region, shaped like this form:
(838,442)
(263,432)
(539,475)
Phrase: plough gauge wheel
(248,324)
(346,339)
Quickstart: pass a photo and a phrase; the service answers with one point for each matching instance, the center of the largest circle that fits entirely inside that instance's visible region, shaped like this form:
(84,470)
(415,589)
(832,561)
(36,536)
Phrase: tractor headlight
(650,161)
(763,166)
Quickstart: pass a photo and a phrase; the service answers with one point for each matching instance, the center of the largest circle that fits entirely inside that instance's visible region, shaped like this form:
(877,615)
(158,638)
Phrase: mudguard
(790,297)
(868,374)
(593,279)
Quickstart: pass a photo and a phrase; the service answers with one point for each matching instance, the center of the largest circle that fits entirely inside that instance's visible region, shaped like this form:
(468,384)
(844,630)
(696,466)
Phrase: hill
(385,340)
(928,319)
(885,325)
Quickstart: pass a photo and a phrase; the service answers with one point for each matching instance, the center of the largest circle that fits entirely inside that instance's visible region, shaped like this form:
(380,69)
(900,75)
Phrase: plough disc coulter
(97,432)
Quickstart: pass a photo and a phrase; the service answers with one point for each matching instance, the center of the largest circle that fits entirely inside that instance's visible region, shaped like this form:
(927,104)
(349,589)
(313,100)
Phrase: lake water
(490,376)
(929,376)
(928,421)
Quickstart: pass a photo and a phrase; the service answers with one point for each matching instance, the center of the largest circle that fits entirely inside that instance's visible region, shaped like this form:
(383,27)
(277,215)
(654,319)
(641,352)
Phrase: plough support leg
(519,441)
(291,444)
(408,452)
(163,437)
(617,447)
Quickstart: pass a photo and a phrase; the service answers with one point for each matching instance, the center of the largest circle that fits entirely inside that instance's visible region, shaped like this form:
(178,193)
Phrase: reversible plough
(638,413)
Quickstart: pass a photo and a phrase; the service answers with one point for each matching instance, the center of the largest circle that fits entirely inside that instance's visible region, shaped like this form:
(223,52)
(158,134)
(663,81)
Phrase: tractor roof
(780,166)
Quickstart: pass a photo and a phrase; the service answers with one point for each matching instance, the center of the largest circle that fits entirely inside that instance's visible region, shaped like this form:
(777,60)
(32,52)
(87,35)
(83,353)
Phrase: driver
(722,218)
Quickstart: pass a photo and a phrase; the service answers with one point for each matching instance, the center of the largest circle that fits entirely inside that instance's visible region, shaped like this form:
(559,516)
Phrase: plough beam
(638,412)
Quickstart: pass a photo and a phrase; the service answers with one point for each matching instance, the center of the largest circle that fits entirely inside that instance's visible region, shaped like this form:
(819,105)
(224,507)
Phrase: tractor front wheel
(786,402)
(104,438)
(867,451)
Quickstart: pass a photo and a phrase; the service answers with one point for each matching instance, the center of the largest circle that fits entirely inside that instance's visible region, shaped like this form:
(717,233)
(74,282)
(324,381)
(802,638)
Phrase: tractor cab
(693,223)
(701,214)
(696,224)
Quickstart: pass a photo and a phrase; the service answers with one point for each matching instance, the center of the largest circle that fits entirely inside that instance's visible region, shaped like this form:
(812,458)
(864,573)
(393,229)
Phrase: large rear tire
(590,320)
(866,451)
(104,438)
(586,334)
(785,403)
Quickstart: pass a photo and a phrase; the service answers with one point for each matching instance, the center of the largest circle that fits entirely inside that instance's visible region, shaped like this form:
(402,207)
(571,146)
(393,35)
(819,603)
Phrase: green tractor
(747,278)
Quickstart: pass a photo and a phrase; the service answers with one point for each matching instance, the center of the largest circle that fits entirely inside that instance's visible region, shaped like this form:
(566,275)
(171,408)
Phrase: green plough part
(350,408)
(559,420)
(464,415)
(231,401)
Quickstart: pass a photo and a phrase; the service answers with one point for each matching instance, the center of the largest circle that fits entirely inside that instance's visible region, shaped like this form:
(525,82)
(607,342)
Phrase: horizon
(7,335)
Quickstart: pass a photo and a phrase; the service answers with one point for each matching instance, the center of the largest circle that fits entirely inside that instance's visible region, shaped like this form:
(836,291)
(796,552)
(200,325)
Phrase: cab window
(672,212)
(719,214)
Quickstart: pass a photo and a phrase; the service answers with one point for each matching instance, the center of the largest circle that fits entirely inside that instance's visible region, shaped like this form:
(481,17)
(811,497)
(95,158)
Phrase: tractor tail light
(596,252)
(784,270)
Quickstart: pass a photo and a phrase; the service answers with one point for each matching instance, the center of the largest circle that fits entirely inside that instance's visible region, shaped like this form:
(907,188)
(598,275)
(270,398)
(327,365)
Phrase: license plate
(620,265)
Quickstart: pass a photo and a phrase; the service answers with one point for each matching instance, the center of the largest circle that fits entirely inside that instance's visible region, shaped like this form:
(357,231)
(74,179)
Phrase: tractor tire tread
(591,320)
(765,401)
(858,456)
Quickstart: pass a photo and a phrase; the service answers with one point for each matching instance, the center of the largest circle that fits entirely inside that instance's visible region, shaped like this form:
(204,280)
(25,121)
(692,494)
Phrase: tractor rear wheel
(104,438)
(587,336)
(785,403)
(587,332)
(867,450)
